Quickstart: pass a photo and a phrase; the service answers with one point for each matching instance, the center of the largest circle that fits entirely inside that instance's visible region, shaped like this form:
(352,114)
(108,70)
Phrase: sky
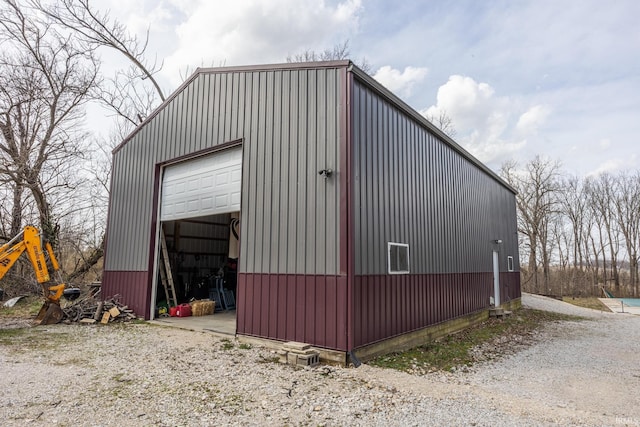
(555,78)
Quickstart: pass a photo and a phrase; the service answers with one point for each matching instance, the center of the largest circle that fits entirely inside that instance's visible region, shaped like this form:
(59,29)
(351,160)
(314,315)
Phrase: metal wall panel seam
(285,174)
(276,183)
(322,186)
(265,168)
(310,174)
(294,173)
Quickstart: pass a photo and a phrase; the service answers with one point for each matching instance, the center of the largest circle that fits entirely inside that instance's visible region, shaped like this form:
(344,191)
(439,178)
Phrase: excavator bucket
(49,314)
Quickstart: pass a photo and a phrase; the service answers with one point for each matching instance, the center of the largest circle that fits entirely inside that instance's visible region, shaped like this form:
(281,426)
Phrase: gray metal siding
(411,187)
(289,122)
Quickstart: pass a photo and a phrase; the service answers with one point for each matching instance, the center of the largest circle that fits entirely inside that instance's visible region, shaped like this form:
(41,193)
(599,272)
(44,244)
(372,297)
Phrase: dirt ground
(572,373)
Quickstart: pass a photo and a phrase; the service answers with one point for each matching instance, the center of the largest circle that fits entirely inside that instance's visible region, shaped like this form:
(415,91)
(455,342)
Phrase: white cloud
(616,165)
(217,32)
(400,82)
(605,143)
(485,123)
(529,121)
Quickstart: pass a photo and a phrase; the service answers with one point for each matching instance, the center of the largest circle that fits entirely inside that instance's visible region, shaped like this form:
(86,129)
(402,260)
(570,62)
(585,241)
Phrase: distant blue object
(607,293)
(631,302)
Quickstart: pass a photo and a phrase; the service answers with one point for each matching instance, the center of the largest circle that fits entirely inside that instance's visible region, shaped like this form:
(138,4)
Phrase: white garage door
(206,185)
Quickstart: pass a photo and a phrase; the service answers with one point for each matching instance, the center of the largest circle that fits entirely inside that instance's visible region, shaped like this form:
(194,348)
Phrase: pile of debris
(92,310)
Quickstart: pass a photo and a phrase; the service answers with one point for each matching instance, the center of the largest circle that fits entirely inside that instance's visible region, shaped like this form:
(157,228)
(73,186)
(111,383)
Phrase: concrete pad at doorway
(617,306)
(223,323)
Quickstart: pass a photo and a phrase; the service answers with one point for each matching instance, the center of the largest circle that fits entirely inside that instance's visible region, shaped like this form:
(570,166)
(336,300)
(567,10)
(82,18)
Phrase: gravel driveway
(578,373)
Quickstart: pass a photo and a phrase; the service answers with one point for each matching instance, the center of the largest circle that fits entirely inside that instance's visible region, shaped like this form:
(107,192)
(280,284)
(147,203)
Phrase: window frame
(399,245)
(510,264)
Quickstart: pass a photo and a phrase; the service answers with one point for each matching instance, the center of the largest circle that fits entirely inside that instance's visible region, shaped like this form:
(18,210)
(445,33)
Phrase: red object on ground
(184,310)
(173,311)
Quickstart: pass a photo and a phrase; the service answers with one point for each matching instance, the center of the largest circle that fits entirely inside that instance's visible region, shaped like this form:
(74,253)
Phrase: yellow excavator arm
(29,241)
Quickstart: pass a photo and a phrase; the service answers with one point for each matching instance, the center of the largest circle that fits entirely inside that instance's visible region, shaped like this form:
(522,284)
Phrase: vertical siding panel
(309,308)
(276,178)
(300,308)
(202,113)
(220,94)
(228,106)
(282,311)
(273,311)
(265,159)
(322,185)
(332,126)
(367,182)
(193,116)
(293,179)
(331,310)
(291,308)
(261,305)
(319,320)
(285,176)
(211,110)
(309,208)
(303,176)
(255,306)
(241,109)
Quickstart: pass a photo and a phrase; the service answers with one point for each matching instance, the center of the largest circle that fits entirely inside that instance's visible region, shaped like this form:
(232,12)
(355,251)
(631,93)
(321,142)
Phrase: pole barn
(336,215)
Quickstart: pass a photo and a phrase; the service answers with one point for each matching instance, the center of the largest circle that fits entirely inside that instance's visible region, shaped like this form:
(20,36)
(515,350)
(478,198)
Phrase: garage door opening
(200,226)
(203,255)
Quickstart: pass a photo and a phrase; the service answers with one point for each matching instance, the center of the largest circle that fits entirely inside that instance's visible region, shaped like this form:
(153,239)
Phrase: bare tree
(133,92)
(536,202)
(626,211)
(337,52)
(601,197)
(443,121)
(45,80)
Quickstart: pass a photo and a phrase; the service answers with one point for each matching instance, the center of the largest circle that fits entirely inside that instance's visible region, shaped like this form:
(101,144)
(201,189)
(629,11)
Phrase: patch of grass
(227,344)
(244,346)
(590,302)
(454,351)
(26,308)
(8,335)
(37,338)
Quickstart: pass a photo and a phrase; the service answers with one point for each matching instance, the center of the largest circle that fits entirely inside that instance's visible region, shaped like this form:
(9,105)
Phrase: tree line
(577,235)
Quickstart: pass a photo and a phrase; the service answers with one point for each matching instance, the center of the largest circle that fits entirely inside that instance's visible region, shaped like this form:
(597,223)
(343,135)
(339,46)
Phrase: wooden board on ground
(105,318)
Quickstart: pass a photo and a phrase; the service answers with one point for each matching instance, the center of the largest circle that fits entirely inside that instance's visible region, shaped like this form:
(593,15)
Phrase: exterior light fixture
(326,173)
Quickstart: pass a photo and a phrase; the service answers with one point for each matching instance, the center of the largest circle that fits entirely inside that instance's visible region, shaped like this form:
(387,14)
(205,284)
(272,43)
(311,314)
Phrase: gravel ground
(576,373)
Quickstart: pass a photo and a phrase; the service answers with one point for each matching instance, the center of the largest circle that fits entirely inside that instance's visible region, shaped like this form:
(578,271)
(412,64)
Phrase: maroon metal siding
(509,286)
(133,288)
(390,305)
(291,307)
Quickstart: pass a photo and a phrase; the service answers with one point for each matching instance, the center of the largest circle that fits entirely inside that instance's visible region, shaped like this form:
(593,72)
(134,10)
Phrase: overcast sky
(557,78)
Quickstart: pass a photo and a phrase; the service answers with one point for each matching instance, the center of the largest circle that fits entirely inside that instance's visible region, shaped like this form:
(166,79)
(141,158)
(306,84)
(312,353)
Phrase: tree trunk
(16,211)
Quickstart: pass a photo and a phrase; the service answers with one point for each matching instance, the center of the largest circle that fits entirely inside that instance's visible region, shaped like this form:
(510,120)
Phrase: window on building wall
(510,263)
(398,258)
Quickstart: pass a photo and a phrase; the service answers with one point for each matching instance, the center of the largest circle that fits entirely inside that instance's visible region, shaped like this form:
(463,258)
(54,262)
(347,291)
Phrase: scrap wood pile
(91,310)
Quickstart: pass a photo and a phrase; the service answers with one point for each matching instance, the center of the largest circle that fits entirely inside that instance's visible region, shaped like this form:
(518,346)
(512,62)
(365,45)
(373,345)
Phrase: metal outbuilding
(360,221)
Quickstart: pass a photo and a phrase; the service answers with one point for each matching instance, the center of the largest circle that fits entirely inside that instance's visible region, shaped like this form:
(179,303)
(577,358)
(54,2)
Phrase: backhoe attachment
(50,312)
(29,241)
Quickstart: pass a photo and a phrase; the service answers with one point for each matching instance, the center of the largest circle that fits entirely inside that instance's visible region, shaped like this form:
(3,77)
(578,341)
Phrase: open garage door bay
(206,185)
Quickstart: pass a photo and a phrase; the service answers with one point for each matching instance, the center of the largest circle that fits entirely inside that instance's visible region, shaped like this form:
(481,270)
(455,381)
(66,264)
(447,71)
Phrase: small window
(510,263)
(398,256)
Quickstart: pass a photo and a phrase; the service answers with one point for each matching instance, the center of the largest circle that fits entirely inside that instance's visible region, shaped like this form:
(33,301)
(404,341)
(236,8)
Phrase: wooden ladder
(165,273)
